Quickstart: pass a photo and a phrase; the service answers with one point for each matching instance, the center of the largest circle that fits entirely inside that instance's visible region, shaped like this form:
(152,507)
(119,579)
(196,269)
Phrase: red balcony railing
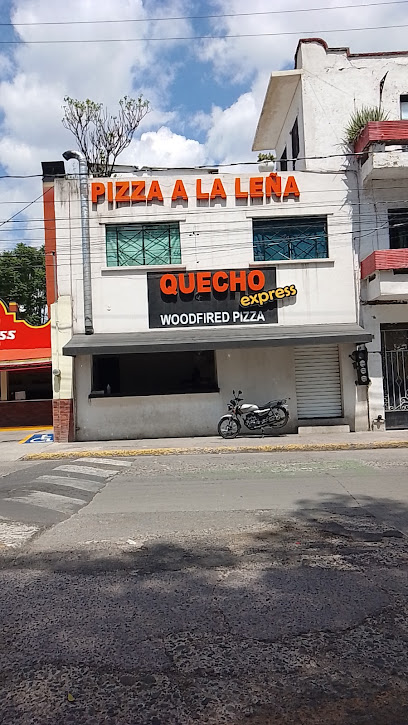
(384,259)
(387,132)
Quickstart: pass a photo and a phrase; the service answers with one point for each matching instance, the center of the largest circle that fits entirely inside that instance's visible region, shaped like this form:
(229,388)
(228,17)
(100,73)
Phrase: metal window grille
(292,238)
(137,244)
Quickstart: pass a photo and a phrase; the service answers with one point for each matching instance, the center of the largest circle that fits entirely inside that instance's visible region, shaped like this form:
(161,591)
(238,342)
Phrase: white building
(202,282)
(304,117)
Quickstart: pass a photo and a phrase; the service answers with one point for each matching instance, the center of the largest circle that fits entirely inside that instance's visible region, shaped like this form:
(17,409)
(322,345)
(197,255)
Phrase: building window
(284,160)
(295,142)
(404,107)
(35,384)
(165,373)
(136,244)
(291,238)
(398,225)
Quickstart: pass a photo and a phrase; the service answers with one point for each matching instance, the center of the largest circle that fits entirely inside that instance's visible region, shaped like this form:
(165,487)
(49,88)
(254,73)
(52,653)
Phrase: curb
(291,447)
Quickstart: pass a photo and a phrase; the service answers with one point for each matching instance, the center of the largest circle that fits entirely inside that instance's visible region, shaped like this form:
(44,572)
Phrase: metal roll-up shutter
(318,387)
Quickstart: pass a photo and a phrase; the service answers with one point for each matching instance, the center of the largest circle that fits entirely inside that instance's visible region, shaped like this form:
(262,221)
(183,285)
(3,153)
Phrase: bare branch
(100,136)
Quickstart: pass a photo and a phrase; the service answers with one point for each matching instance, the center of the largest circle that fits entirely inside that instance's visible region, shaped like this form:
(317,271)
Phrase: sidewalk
(211,444)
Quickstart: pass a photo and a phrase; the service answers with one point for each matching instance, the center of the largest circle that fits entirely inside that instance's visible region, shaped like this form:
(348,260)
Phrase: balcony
(386,275)
(384,149)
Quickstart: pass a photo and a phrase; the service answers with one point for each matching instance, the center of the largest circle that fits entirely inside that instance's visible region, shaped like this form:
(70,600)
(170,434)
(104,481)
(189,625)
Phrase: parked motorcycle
(274,414)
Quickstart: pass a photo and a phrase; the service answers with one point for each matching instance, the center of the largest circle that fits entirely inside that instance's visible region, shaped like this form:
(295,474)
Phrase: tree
(22,280)
(100,136)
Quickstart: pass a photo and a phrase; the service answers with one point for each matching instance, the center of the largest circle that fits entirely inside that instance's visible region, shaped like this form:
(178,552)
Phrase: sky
(205,93)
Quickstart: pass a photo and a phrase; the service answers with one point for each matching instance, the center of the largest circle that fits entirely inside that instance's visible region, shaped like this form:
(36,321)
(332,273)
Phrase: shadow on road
(302,621)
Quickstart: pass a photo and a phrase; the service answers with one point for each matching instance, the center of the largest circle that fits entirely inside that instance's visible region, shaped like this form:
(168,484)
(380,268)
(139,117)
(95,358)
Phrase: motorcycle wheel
(283,417)
(228,427)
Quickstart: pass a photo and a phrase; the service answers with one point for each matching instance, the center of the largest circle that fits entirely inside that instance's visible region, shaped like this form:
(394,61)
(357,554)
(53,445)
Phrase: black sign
(216,297)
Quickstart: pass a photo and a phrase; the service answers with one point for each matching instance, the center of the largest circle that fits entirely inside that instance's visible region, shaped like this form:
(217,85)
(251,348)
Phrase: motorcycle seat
(269,404)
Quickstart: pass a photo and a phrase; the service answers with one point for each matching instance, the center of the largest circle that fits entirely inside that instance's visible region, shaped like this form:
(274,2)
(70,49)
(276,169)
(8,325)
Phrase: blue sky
(206,95)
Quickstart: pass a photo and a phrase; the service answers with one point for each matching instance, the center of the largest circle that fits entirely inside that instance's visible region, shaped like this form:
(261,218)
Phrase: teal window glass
(134,244)
(291,238)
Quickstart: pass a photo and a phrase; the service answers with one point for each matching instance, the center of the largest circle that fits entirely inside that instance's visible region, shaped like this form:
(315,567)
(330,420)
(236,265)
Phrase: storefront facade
(25,371)
(203,282)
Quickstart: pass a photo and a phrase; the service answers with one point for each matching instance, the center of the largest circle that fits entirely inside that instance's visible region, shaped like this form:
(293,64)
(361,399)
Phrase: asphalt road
(210,589)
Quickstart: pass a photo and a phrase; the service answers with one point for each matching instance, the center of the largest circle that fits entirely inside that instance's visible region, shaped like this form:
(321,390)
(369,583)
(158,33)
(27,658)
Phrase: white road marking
(15,534)
(81,483)
(63,504)
(89,470)
(105,461)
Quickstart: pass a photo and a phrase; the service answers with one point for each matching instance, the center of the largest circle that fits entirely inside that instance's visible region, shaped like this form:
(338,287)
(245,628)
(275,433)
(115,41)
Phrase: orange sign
(141,190)
(21,341)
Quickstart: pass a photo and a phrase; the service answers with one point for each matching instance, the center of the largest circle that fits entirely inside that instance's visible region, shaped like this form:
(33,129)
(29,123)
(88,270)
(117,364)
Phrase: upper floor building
(306,111)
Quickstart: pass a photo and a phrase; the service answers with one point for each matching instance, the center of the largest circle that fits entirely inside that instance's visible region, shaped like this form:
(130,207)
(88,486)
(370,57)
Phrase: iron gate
(395,376)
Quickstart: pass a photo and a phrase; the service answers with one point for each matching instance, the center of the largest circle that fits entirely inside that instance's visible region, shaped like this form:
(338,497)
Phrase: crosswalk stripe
(83,484)
(105,461)
(14,534)
(88,470)
(43,499)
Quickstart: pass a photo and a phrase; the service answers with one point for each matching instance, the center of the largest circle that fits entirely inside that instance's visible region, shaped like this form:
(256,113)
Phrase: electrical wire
(200,17)
(304,33)
(199,167)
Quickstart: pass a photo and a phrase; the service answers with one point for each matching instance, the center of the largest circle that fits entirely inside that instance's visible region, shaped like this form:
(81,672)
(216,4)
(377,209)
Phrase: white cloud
(240,59)
(164,148)
(36,77)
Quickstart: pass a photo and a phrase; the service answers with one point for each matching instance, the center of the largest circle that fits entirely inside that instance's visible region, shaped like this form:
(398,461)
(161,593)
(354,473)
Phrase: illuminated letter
(291,187)
(138,189)
(110,191)
(256,187)
(186,289)
(168,284)
(155,192)
(273,185)
(199,193)
(238,193)
(217,284)
(203,281)
(179,191)
(217,190)
(122,191)
(237,279)
(98,189)
(256,280)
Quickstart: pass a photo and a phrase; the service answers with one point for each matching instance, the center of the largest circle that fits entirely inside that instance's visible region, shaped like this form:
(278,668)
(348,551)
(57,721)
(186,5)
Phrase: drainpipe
(86,243)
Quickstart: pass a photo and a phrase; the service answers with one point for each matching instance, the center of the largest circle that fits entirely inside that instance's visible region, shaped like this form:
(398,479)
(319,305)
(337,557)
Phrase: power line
(199,167)
(12,219)
(201,37)
(199,17)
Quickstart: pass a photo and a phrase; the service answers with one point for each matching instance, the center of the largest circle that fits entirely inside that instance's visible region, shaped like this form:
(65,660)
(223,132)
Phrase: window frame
(295,142)
(211,387)
(113,258)
(287,220)
(404,102)
(393,229)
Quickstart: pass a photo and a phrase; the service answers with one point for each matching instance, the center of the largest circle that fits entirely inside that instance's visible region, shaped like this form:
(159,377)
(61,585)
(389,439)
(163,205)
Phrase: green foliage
(359,118)
(100,136)
(266,157)
(22,280)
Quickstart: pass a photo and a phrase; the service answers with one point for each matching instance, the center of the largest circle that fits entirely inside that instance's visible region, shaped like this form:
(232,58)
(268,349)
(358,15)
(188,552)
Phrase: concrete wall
(262,373)
(215,235)
(334,84)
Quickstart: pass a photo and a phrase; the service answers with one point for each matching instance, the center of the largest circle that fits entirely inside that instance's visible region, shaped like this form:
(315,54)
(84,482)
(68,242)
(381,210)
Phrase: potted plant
(266,162)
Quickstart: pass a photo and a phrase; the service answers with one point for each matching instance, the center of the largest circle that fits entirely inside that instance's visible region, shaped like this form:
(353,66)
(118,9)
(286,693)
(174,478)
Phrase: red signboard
(21,341)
